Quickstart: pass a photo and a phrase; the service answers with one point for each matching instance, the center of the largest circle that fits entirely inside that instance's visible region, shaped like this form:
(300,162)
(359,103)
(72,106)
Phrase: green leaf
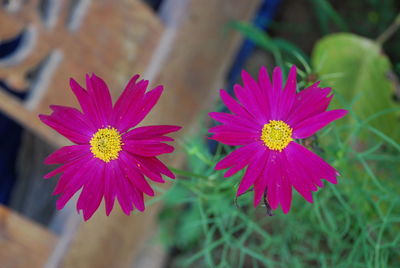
(290,48)
(282,50)
(259,38)
(358,71)
(255,34)
(326,13)
(191,227)
(176,195)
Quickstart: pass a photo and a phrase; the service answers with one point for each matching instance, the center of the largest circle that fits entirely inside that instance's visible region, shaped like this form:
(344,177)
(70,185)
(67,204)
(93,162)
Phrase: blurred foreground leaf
(361,81)
(281,49)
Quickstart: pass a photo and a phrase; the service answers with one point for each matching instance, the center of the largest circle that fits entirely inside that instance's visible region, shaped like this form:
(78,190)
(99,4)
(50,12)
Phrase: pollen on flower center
(106,144)
(276,135)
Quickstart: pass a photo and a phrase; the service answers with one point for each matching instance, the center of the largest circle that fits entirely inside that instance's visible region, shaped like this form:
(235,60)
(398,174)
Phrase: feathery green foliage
(352,224)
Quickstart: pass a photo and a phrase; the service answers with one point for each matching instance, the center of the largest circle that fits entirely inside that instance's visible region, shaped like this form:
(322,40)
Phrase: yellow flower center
(276,135)
(106,144)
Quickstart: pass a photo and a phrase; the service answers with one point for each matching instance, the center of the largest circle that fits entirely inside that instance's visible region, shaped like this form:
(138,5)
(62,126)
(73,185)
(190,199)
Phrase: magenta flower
(110,158)
(265,122)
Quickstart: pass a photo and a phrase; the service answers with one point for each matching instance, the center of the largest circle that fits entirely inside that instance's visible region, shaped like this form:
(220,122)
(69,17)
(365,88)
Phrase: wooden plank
(15,109)
(32,195)
(22,242)
(195,66)
(114,39)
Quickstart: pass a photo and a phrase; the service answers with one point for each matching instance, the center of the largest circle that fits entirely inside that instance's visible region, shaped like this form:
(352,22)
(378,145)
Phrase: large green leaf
(356,68)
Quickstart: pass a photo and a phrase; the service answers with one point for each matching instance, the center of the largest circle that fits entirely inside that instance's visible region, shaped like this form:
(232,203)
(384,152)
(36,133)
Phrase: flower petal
(234,121)
(77,133)
(235,138)
(298,175)
(275,182)
(147,148)
(233,105)
(101,99)
(239,158)
(138,199)
(151,167)
(127,194)
(131,97)
(250,104)
(284,185)
(267,175)
(85,102)
(92,193)
(67,154)
(72,165)
(150,132)
(135,176)
(154,164)
(265,85)
(65,179)
(253,171)
(276,93)
(123,190)
(255,92)
(288,96)
(134,115)
(234,128)
(311,101)
(72,116)
(311,162)
(310,126)
(70,185)
(110,191)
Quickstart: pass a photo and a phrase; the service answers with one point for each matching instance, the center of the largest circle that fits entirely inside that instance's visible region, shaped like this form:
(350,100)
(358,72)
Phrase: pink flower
(266,121)
(110,158)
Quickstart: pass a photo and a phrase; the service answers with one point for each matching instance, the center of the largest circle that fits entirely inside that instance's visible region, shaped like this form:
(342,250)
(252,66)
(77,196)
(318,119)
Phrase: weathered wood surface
(69,38)
(23,243)
(32,195)
(192,72)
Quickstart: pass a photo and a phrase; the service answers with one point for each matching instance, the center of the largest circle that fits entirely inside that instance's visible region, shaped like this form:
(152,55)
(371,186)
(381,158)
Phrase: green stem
(389,31)
(187,173)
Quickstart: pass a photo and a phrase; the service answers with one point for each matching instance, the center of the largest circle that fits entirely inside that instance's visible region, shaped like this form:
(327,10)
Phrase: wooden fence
(188,47)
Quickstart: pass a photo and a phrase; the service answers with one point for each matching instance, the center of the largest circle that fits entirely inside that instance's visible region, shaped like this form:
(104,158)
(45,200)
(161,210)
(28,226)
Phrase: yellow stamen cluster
(276,135)
(106,144)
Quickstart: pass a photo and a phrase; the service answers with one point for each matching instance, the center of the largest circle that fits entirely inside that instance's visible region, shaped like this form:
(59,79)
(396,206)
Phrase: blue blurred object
(262,19)
(8,47)
(155,4)
(10,140)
